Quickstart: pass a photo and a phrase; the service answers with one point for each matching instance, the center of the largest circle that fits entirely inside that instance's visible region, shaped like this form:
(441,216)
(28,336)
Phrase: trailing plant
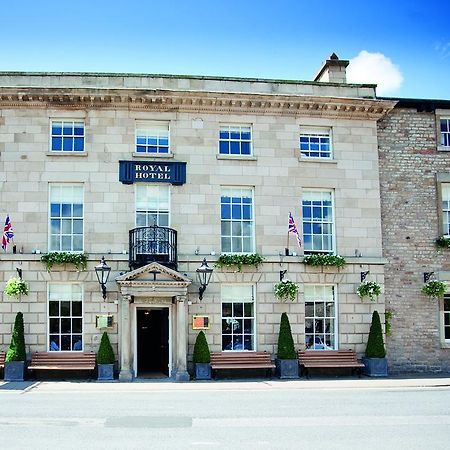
(239,260)
(375,344)
(286,349)
(434,288)
(105,354)
(15,287)
(79,260)
(369,289)
(286,290)
(443,241)
(319,259)
(202,354)
(388,314)
(16,351)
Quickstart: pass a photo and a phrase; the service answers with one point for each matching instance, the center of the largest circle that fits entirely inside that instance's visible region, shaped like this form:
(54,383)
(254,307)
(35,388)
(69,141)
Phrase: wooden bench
(241,360)
(2,360)
(328,359)
(62,361)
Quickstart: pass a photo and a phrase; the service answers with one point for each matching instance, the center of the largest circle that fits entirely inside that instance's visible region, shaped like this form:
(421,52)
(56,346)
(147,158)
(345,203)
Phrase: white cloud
(375,68)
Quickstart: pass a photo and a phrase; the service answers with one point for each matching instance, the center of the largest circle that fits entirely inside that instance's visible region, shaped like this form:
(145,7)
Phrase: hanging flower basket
(369,289)
(286,290)
(443,242)
(15,287)
(434,289)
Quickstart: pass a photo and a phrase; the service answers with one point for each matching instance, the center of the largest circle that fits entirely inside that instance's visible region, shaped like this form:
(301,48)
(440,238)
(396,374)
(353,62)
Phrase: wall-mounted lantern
(102,271)
(204,273)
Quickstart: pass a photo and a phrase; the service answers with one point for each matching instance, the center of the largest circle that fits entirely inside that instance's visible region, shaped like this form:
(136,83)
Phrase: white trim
(159,185)
(149,125)
(237,125)
(65,152)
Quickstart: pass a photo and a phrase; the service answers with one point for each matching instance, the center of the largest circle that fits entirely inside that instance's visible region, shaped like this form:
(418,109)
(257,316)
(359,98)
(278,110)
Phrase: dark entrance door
(153,341)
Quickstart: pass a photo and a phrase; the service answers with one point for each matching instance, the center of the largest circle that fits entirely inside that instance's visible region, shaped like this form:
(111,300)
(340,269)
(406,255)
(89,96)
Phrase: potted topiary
(105,359)
(287,361)
(16,355)
(375,362)
(202,358)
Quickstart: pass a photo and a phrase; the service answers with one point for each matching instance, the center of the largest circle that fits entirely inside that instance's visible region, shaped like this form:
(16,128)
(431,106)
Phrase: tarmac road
(311,414)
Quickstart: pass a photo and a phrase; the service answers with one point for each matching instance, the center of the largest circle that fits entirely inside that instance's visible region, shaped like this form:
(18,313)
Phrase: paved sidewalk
(145,385)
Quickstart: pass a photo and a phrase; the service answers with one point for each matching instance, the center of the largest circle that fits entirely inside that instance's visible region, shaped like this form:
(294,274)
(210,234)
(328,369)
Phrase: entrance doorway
(152,342)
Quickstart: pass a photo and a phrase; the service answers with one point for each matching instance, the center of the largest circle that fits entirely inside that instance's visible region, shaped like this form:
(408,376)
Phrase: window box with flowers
(238,260)
(286,290)
(16,287)
(79,260)
(443,242)
(319,259)
(369,289)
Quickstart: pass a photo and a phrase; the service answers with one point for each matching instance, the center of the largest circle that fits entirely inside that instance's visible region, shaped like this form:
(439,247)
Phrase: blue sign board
(173,172)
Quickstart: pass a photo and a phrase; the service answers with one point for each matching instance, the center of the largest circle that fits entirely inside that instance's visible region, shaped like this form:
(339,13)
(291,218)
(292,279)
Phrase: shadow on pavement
(17,385)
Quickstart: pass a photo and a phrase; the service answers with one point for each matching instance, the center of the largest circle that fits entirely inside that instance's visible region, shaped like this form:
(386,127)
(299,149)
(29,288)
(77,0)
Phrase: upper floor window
(67,136)
(238,317)
(445,132)
(315,142)
(318,221)
(236,214)
(445,190)
(65,317)
(66,217)
(152,205)
(235,140)
(152,137)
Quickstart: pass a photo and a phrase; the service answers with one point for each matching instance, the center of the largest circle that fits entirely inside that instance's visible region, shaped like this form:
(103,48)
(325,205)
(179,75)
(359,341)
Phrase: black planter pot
(14,371)
(287,368)
(375,367)
(202,371)
(105,372)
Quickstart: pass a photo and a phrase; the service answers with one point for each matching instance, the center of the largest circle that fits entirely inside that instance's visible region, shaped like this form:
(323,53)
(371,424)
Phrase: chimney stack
(333,70)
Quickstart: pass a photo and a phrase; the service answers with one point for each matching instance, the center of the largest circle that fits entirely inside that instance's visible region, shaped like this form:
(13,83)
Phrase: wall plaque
(104,321)
(200,322)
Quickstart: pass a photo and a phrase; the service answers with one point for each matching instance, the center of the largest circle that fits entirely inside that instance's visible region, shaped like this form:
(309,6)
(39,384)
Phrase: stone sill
(152,155)
(302,159)
(442,148)
(237,157)
(66,154)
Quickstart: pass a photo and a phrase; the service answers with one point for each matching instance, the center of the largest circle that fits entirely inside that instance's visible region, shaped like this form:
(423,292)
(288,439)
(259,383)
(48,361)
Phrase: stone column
(181,370)
(126,372)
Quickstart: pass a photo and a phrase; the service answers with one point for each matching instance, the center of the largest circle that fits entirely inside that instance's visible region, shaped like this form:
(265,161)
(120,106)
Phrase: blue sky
(276,39)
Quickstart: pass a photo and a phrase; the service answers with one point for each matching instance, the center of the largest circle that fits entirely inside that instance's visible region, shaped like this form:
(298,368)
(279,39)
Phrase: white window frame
(229,127)
(225,299)
(321,299)
(151,127)
(332,223)
(158,210)
(316,132)
(444,136)
(445,209)
(252,220)
(72,136)
(443,313)
(59,317)
(61,234)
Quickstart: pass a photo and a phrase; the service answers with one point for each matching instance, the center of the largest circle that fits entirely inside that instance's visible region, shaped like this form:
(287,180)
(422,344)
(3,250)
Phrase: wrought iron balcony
(153,244)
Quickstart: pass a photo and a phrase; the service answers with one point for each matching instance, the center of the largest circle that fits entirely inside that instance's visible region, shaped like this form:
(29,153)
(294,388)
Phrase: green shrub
(319,259)
(286,349)
(201,350)
(239,260)
(105,354)
(375,344)
(16,351)
(79,260)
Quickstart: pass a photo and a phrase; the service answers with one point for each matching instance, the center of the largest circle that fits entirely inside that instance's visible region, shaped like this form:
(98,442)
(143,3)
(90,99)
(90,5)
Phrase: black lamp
(102,272)
(204,273)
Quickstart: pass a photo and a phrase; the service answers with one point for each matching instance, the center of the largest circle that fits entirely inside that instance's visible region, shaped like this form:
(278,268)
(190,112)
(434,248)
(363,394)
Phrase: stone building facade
(414,180)
(218,163)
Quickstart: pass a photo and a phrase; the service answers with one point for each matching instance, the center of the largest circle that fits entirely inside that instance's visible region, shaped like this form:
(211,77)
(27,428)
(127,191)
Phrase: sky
(402,46)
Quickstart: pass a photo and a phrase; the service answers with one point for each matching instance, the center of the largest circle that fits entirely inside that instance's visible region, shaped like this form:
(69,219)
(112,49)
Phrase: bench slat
(241,360)
(62,361)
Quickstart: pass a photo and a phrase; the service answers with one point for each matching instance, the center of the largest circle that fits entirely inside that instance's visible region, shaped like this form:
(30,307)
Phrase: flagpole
(286,250)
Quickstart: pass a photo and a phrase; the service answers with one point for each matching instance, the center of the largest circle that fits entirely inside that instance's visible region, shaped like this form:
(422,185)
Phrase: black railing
(153,244)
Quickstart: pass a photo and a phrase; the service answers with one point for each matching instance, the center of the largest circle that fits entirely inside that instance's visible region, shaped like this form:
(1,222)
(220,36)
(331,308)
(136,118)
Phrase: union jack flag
(8,233)
(293,229)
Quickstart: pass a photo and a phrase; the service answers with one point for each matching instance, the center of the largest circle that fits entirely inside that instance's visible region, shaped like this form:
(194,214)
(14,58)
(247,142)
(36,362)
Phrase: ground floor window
(65,317)
(238,317)
(446,313)
(320,317)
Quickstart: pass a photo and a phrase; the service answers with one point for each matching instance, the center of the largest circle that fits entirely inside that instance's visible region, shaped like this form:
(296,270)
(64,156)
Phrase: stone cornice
(193,101)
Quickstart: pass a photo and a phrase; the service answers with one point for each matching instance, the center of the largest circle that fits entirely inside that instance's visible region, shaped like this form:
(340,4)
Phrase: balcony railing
(153,244)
